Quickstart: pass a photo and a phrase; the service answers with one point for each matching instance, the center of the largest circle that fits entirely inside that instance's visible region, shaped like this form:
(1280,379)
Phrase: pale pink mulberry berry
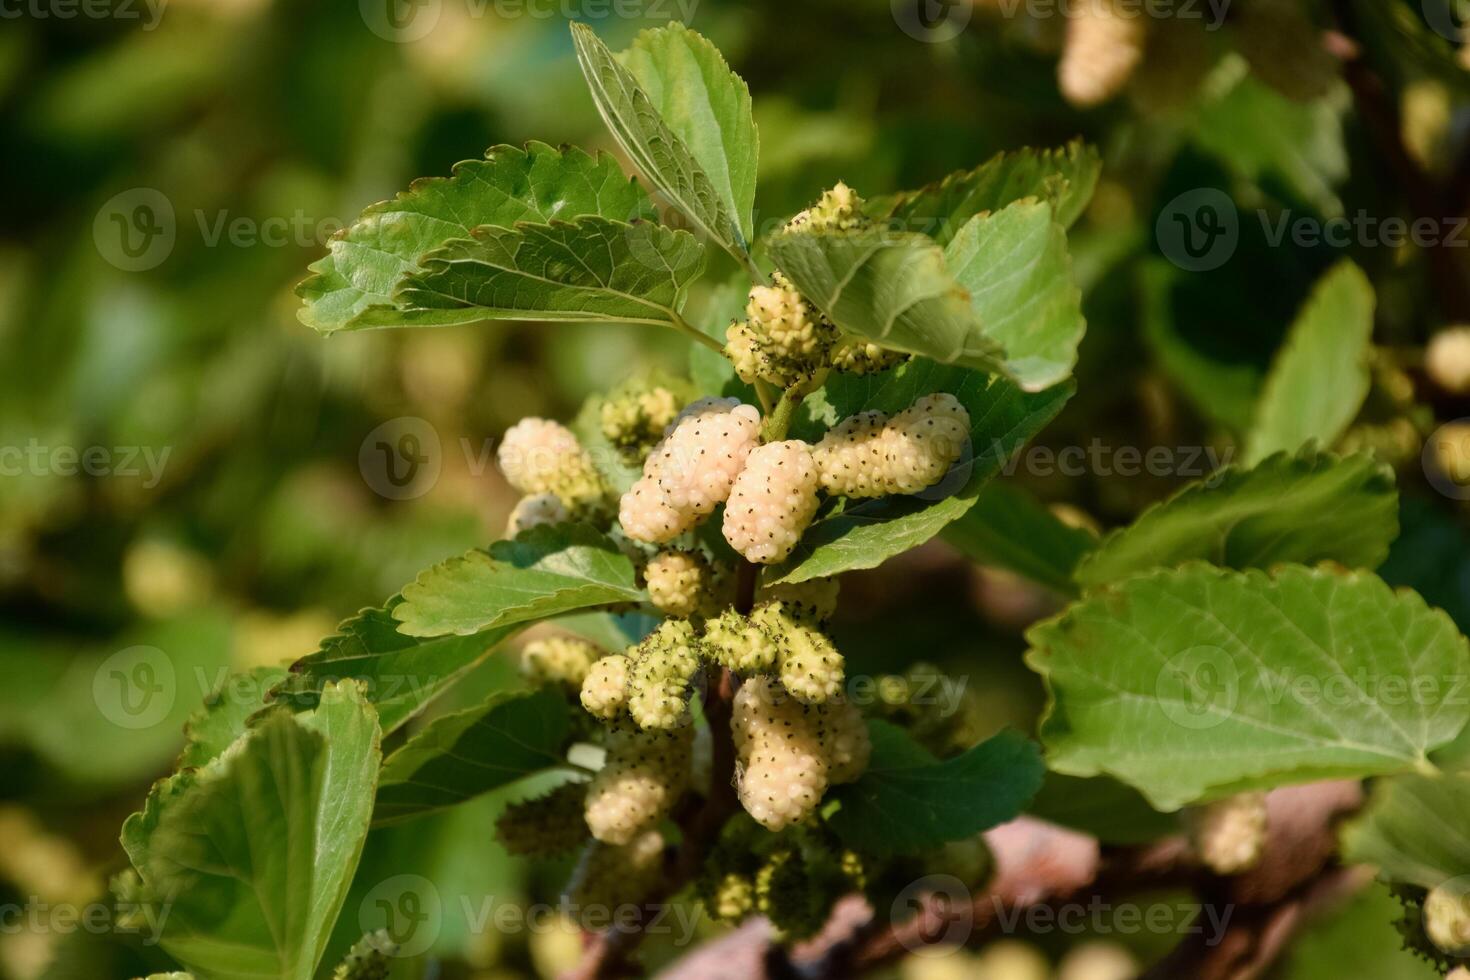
(1229,834)
(1103,47)
(541,456)
(783,769)
(870,455)
(772,501)
(534,511)
(642,778)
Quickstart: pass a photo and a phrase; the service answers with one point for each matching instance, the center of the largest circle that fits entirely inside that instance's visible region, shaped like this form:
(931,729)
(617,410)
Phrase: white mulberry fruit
(811,669)
(534,511)
(1230,834)
(640,781)
(541,456)
(869,455)
(545,825)
(1447,360)
(608,876)
(1447,918)
(772,501)
(691,471)
(563,660)
(1104,45)
(662,667)
(680,583)
(845,742)
(783,338)
(605,688)
(734,642)
(783,769)
(813,602)
(839,209)
(855,355)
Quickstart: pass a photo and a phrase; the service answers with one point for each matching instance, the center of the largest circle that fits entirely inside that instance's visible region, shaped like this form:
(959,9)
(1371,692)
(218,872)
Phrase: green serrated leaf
(1008,528)
(1321,377)
(246,864)
(538,184)
(907,803)
(459,756)
(544,572)
(1064,177)
(677,153)
(892,288)
(711,372)
(1101,807)
(1198,682)
(225,712)
(1413,829)
(1002,419)
(587,270)
(400,674)
(1014,263)
(1303,508)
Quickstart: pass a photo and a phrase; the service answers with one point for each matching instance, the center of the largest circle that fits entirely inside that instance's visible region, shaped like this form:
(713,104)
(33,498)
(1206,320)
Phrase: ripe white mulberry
(1230,834)
(734,642)
(1447,918)
(545,825)
(640,781)
(870,455)
(1447,360)
(534,511)
(783,768)
(845,741)
(541,456)
(783,338)
(1103,47)
(563,660)
(605,688)
(772,501)
(608,876)
(691,471)
(680,583)
(662,668)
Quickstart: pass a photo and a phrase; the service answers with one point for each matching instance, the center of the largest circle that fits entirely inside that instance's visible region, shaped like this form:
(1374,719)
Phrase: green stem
(699,336)
(767,396)
(778,420)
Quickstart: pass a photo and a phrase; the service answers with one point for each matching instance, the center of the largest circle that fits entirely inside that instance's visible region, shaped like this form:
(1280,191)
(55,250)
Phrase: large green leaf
(589,269)
(1414,829)
(1064,177)
(907,802)
(891,287)
(1301,508)
(1002,419)
(1201,681)
(459,756)
(1010,529)
(400,674)
(544,572)
(1101,807)
(1320,378)
(537,184)
(1015,264)
(701,156)
(247,862)
(1355,940)
(225,713)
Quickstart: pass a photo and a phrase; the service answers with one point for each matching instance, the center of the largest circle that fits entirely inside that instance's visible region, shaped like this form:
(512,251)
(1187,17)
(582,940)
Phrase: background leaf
(1302,508)
(461,755)
(1015,264)
(1008,528)
(907,802)
(1200,682)
(1413,829)
(544,572)
(537,184)
(1320,378)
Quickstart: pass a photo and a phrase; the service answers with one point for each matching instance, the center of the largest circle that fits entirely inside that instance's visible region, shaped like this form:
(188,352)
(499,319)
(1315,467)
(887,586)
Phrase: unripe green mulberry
(1103,47)
(663,667)
(812,602)
(609,876)
(534,511)
(790,896)
(726,882)
(545,825)
(680,583)
(856,355)
(783,339)
(772,501)
(642,778)
(1230,834)
(605,688)
(783,768)
(734,642)
(869,455)
(369,959)
(690,472)
(563,660)
(634,418)
(540,456)
(811,668)
(1447,918)
(838,209)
